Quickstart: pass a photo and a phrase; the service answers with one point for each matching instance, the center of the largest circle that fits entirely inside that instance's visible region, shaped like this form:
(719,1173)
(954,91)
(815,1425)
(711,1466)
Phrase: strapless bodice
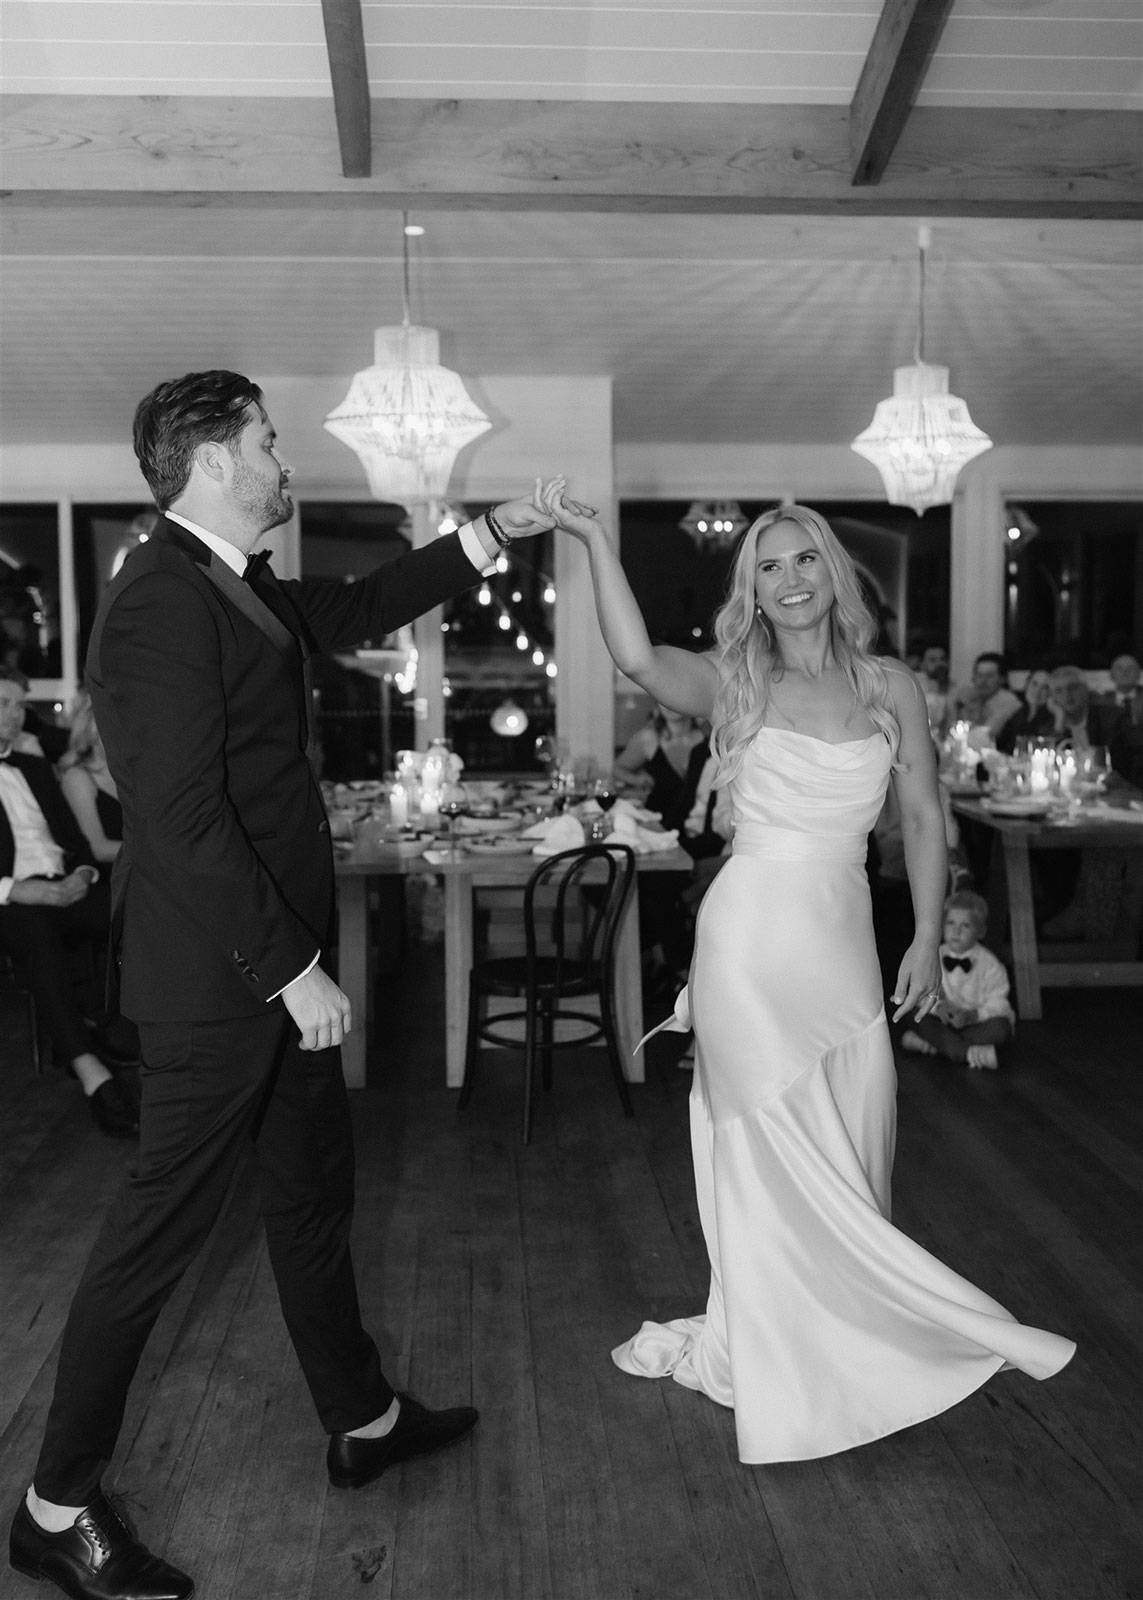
(800,796)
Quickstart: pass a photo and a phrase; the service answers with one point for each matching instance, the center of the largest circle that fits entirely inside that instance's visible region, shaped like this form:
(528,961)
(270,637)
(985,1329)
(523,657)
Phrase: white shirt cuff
(301,974)
(473,546)
(5,890)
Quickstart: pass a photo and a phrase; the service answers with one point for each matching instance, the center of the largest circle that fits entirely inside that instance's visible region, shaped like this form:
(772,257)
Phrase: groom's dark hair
(176,417)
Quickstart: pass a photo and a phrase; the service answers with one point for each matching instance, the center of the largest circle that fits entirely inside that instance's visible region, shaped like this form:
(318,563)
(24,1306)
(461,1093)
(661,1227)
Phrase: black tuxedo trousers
(210,1091)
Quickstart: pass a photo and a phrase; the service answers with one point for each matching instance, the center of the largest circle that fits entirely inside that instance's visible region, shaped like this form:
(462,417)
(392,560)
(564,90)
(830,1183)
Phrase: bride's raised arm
(679,679)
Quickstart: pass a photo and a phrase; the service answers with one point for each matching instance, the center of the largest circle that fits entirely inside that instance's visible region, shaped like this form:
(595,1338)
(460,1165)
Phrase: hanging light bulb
(406,416)
(508,720)
(922,435)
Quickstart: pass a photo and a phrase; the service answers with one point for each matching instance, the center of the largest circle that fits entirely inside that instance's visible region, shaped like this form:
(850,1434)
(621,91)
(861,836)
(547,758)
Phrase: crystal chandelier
(717,524)
(406,416)
(922,435)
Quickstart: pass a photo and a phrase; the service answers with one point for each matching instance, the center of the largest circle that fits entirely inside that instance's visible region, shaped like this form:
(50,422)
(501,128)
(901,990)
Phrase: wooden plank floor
(502,1275)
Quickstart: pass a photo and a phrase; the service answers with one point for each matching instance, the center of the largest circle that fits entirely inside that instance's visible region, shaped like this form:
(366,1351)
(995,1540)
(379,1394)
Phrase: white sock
(50,1517)
(378,1428)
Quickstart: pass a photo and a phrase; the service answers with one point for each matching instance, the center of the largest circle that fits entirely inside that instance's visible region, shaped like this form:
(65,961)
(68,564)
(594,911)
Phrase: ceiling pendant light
(406,416)
(922,435)
(716,524)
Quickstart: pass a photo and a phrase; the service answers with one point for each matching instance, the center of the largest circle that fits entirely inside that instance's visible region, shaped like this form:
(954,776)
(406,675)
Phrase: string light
(484,595)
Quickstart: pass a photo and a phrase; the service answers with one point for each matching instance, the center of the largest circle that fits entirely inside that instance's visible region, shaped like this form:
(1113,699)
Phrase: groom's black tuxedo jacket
(223,889)
(58,815)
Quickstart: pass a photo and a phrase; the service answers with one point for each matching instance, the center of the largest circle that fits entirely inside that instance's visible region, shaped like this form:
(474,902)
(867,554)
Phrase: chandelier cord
(406,319)
(923,236)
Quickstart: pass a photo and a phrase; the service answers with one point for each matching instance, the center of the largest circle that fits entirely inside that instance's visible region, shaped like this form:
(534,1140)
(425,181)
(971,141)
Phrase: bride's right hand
(571,516)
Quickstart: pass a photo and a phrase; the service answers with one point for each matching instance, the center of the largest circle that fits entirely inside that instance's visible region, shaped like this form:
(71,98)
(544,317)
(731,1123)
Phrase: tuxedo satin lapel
(265,584)
(240,594)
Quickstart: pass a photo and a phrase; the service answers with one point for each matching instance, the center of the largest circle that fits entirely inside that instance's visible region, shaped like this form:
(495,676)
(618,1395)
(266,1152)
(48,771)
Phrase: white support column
(976,577)
(428,704)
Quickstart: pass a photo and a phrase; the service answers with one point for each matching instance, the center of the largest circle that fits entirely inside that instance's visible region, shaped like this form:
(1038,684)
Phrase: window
(1074,582)
(30,636)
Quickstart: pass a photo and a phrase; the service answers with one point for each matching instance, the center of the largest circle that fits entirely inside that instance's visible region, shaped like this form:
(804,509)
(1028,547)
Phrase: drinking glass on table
(455,802)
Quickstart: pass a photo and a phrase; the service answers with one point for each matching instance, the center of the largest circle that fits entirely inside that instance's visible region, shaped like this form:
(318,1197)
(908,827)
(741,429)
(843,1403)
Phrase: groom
(222,909)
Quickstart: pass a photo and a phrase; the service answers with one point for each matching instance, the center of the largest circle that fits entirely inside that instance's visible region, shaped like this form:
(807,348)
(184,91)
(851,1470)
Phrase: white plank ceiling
(735,328)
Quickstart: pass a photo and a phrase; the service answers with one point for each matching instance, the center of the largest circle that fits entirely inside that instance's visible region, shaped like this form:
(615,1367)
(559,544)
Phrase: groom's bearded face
(258,483)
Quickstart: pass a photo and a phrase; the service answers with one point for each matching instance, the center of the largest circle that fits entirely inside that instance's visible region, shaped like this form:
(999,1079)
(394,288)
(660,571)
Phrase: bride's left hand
(917,991)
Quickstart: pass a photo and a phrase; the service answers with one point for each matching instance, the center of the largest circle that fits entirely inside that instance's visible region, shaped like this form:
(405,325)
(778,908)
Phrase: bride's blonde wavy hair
(747,656)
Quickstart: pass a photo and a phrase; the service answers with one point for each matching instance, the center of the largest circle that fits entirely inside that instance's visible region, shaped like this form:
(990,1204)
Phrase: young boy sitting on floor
(974,1015)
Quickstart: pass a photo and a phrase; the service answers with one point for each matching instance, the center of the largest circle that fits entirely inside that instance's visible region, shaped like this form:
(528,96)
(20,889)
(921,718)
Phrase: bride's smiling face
(792,582)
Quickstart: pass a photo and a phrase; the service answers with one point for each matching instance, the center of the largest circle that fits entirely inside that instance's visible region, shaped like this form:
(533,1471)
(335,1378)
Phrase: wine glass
(605,793)
(454,802)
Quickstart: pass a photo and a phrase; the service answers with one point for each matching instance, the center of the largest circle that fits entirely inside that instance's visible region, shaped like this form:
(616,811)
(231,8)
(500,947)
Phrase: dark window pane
(104,536)
(1074,582)
(30,589)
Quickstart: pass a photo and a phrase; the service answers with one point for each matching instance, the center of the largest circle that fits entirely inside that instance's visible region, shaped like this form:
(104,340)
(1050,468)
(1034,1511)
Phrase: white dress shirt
(983,989)
(37,854)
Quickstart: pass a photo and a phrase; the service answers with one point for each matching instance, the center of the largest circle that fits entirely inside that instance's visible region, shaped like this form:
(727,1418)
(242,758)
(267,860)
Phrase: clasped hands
(548,507)
(56,892)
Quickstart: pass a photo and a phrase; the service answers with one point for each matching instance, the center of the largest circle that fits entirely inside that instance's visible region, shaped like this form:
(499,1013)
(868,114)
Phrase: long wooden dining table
(1115,826)
(355,869)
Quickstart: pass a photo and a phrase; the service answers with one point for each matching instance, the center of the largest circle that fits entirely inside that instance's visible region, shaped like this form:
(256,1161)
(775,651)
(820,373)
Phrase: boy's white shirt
(983,989)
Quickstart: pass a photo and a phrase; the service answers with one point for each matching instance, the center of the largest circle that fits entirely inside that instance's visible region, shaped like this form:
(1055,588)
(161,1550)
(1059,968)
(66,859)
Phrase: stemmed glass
(454,803)
(605,794)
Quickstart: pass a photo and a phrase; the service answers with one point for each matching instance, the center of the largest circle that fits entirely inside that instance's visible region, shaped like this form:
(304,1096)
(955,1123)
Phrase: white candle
(398,807)
(1039,781)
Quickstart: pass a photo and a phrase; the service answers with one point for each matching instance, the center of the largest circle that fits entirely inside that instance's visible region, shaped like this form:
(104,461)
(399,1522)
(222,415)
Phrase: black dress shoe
(99,1558)
(114,1110)
(418,1431)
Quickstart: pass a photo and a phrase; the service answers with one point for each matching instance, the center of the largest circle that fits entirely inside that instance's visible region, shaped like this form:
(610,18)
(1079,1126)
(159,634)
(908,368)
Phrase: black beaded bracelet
(496,530)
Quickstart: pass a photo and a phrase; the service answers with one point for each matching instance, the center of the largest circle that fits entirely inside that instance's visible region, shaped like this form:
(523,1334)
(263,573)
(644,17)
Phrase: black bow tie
(254,565)
(950,963)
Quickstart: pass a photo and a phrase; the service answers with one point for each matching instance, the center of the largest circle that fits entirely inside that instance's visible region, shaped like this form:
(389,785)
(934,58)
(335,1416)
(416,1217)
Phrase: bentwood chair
(573,903)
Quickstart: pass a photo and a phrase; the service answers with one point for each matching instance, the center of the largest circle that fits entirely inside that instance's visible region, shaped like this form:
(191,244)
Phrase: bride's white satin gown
(825,1326)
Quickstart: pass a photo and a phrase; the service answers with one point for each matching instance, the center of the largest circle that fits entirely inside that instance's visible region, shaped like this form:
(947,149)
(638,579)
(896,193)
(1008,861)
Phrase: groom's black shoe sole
(353,1462)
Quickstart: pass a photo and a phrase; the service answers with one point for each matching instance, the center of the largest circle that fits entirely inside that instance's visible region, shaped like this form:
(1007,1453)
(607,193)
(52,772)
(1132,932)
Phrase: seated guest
(1035,718)
(1081,721)
(667,755)
(1126,690)
(986,701)
(87,784)
(52,897)
(933,671)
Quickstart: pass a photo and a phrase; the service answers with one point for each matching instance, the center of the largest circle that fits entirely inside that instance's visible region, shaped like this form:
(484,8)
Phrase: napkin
(632,809)
(644,841)
(554,834)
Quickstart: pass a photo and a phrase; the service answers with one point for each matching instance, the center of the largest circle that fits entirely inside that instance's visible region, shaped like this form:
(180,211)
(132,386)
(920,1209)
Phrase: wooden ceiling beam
(345,46)
(559,156)
(903,45)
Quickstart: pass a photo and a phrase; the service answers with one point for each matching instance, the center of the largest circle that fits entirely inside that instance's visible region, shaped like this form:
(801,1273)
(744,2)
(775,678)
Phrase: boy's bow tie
(950,963)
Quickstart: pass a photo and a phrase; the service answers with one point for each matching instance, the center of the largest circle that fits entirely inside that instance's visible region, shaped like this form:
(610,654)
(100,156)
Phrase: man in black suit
(223,899)
(52,899)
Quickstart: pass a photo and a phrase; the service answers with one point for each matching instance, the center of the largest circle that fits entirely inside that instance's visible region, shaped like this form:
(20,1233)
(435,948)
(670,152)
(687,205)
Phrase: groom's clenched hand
(319,1008)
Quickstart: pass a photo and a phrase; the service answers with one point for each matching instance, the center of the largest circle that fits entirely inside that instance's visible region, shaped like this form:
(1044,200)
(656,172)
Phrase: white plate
(1016,808)
(495,822)
(499,845)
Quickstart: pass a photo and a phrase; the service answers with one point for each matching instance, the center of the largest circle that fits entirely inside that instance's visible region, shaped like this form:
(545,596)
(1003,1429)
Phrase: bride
(825,1327)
